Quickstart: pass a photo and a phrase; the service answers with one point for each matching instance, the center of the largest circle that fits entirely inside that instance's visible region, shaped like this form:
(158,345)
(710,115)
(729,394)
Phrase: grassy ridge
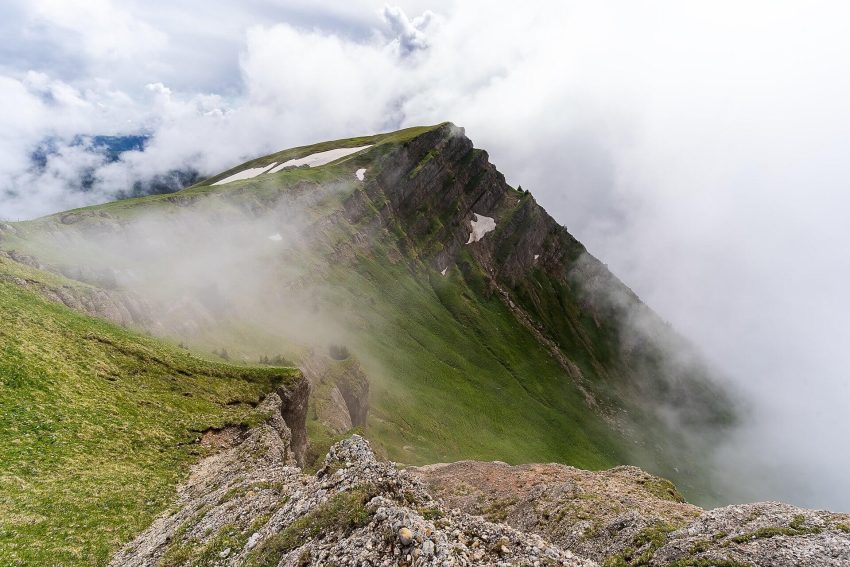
(97,425)
(381,144)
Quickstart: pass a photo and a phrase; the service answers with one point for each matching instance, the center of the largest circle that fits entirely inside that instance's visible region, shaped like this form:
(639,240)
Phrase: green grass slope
(454,377)
(97,425)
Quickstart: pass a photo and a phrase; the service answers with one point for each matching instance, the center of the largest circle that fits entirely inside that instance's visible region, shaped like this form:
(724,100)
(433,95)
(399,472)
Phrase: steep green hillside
(97,424)
(519,346)
(453,376)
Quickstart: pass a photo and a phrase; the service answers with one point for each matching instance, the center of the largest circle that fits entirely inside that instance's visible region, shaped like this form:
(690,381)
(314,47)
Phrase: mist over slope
(97,423)
(483,328)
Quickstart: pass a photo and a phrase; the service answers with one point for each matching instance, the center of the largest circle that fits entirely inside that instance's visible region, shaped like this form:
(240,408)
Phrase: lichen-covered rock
(225,495)
(248,506)
(594,514)
(625,516)
(766,533)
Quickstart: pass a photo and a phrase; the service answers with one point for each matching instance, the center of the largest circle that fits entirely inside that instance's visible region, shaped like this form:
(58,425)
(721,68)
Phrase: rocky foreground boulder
(250,504)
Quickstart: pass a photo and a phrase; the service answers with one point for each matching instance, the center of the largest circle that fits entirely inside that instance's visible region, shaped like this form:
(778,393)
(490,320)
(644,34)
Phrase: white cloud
(107,33)
(409,34)
(159,89)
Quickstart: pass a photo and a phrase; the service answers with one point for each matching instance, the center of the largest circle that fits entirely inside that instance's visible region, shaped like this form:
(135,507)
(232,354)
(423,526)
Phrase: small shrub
(430,513)
(664,489)
(276,360)
(649,540)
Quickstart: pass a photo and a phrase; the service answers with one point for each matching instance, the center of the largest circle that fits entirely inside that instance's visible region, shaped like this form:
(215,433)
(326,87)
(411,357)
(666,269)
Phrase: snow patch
(361,174)
(320,158)
(536,256)
(276,237)
(480,226)
(245,174)
(443,271)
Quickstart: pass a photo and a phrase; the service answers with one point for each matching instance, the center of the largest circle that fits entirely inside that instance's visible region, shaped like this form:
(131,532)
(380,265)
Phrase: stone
(252,541)
(405,536)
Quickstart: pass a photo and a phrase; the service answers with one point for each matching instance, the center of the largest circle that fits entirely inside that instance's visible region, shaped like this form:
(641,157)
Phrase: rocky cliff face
(119,307)
(340,391)
(453,210)
(249,505)
(293,412)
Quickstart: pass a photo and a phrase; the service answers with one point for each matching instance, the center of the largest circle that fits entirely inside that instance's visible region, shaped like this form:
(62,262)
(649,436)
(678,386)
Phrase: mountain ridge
(410,217)
(436,311)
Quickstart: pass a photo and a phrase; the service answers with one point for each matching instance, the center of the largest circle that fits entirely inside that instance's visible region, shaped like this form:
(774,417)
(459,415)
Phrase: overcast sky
(699,149)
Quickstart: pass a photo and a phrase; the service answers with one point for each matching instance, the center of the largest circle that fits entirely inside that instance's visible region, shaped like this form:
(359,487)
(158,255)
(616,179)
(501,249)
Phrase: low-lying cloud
(699,150)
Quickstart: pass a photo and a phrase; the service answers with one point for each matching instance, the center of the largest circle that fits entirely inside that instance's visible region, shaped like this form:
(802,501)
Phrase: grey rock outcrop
(594,514)
(249,505)
(340,391)
(243,480)
(117,306)
(625,516)
(765,533)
